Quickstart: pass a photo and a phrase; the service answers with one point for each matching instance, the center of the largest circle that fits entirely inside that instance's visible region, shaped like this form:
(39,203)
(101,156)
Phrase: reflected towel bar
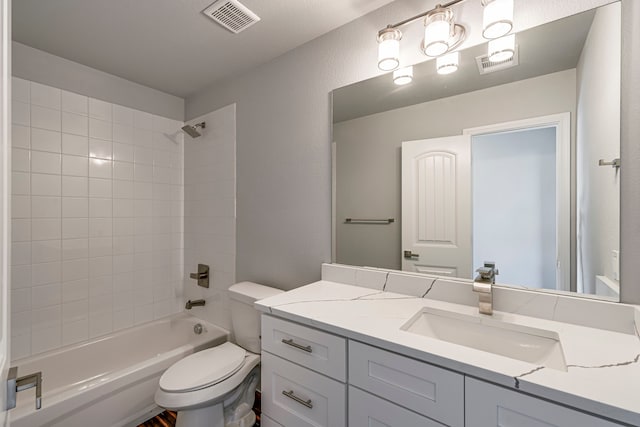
(369,221)
(615,163)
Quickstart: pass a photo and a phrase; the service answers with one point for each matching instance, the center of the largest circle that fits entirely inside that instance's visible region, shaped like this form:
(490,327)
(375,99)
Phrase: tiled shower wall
(97,218)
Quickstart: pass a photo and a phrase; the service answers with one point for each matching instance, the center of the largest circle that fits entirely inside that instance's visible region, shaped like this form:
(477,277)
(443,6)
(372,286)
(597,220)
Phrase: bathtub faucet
(15,384)
(194,303)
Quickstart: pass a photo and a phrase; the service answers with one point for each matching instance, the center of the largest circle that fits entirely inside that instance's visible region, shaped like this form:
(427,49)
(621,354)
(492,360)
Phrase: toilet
(216,387)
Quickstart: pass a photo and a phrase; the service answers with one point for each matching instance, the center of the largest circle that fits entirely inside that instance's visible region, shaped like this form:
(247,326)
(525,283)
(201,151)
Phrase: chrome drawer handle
(290,342)
(292,396)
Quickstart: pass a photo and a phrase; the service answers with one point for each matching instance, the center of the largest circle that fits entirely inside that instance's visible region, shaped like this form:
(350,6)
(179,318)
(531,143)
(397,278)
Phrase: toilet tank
(245,319)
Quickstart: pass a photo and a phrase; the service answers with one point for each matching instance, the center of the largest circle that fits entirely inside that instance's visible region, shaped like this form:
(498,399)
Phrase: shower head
(192,131)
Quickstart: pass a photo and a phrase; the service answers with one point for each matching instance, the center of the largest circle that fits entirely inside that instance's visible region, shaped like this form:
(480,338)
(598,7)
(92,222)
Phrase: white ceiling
(170,45)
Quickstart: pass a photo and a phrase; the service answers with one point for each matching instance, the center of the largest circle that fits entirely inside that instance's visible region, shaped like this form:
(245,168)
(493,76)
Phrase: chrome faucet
(15,384)
(194,303)
(483,285)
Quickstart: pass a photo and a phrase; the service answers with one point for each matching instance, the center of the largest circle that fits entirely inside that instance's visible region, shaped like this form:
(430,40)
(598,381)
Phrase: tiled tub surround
(96,218)
(600,339)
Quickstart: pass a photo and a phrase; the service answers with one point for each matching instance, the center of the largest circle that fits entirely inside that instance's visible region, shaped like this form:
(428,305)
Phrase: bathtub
(111,380)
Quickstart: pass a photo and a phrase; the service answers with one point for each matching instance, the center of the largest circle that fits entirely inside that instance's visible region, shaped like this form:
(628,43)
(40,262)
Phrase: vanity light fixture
(497,18)
(441,35)
(447,64)
(502,49)
(403,76)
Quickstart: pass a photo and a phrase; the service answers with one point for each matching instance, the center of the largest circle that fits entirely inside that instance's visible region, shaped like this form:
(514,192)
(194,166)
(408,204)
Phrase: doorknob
(410,255)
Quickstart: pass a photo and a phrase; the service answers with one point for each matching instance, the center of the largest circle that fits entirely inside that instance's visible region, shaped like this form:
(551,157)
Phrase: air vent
(485,66)
(232,15)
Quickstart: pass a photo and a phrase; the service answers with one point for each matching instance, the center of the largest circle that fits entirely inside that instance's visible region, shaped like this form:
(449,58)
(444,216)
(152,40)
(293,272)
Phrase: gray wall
(42,67)
(369,185)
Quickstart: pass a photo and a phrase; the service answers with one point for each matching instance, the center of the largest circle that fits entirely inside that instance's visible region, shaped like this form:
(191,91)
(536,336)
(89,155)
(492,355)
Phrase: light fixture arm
(420,16)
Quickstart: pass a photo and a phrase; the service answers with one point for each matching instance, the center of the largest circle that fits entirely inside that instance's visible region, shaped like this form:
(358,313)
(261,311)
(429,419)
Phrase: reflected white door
(5,143)
(436,206)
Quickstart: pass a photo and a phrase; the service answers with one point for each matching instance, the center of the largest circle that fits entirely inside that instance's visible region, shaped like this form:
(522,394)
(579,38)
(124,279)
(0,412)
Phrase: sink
(532,345)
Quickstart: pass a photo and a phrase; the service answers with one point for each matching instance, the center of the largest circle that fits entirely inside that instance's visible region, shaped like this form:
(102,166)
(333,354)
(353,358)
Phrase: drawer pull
(290,342)
(292,396)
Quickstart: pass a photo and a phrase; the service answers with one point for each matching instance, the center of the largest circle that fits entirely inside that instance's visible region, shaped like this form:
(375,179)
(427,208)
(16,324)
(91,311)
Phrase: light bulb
(502,49)
(497,18)
(448,64)
(403,76)
(437,32)
(389,49)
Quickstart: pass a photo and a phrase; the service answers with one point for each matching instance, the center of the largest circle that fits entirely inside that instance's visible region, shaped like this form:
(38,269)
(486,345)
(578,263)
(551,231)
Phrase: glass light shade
(502,49)
(497,18)
(448,64)
(389,49)
(403,76)
(437,32)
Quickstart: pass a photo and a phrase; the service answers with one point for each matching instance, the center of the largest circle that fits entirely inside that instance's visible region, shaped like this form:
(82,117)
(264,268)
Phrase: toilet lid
(204,368)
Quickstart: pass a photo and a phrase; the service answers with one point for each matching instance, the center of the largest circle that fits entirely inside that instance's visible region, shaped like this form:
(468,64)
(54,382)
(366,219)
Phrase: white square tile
(20,160)
(143,173)
(162,309)
(122,319)
(142,314)
(100,324)
(75,186)
(45,185)
(75,124)
(100,227)
(21,207)
(20,323)
(45,140)
(123,133)
(21,346)
(20,230)
(143,244)
(20,300)
(100,109)
(44,251)
(74,311)
(75,290)
(75,145)
(46,207)
(122,263)
(74,332)
(21,276)
(143,190)
(142,120)
(123,152)
(121,244)
(100,149)
(20,253)
(123,207)
(21,183)
(20,89)
(123,170)
(123,226)
(100,287)
(142,138)
(74,270)
(46,339)
(123,283)
(46,295)
(43,318)
(143,155)
(43,162)
(143,208)
(74,103)
(20,113)
(100,247)
(100,208)
(99,187)
(20,136)
(45,118)
(75,207)
(121,189)
(122,115)
(75,249)
(75,165)
(100,129)
(100,168)
(45,273)
(45,229)
(45,96)
(75,228)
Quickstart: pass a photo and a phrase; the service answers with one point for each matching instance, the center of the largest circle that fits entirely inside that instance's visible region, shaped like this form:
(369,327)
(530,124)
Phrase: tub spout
(194,303)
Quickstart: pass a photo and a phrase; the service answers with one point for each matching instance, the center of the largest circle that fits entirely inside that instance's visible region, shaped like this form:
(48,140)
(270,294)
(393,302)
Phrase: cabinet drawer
(490,405)
(297,397)
(366,410)
(320,351)
(423,388)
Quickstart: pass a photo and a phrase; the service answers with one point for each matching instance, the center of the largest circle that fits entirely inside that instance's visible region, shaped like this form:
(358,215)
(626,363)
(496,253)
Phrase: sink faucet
(483,285)
(194,303)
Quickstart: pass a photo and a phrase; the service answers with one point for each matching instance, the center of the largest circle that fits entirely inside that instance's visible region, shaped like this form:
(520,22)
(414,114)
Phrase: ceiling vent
(485,66)
(232,15)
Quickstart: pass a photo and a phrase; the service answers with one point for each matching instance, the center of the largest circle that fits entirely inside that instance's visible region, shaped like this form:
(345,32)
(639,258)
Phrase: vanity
(374,347)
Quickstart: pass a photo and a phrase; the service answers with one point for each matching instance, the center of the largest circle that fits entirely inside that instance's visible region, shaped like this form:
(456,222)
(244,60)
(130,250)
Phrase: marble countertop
(603,367)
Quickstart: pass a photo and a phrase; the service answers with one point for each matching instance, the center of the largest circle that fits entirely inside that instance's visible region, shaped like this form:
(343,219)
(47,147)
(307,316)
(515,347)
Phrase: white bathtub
(109,381)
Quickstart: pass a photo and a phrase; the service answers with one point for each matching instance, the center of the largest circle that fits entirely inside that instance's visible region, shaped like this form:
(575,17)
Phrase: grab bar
(369,221)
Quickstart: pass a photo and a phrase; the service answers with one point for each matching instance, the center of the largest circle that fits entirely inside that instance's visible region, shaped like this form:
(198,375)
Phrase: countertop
(603,368)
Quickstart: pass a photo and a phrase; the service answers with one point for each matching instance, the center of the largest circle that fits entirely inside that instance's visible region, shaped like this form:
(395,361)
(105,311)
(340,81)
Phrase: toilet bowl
(216,387)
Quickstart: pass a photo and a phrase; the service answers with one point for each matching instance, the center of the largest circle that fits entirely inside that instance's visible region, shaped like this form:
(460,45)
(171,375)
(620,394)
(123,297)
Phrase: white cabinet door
(366,410)
(487,405)
(436,206)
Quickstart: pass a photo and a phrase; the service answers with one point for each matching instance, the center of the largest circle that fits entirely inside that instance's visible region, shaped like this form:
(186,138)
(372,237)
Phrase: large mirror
(515,163)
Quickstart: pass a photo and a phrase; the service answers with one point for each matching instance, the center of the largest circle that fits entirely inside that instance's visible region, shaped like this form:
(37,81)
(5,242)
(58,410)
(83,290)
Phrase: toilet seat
(203,369)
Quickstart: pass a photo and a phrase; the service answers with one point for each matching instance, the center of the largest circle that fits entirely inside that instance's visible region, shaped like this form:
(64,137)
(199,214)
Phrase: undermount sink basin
(532,345)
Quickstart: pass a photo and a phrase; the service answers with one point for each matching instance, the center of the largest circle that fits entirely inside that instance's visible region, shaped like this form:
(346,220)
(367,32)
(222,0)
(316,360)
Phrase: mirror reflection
(511,162)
